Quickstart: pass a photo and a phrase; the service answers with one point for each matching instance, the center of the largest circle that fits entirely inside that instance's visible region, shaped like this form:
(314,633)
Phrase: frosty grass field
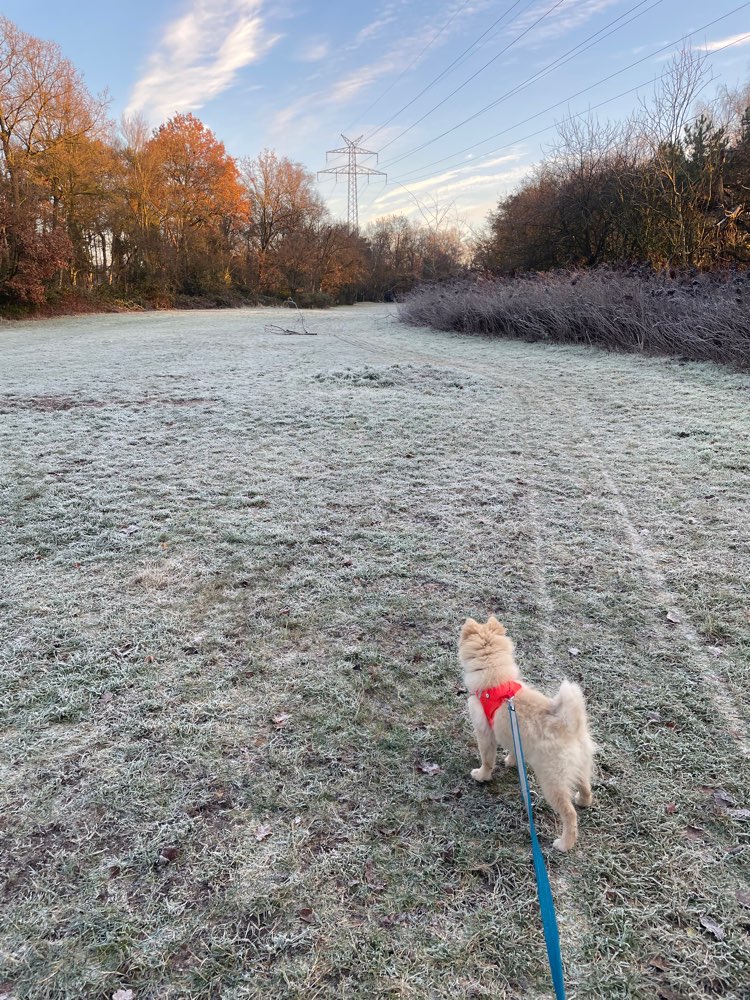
(234,754)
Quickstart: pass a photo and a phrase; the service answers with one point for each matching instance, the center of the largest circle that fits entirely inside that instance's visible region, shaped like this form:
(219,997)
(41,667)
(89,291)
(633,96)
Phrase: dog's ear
(495,625)
(470,627)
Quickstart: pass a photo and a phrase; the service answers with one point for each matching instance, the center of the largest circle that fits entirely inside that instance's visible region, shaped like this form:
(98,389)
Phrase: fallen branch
(304,332)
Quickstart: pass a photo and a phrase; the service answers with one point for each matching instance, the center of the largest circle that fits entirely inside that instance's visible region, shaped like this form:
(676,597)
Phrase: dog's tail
(569,706)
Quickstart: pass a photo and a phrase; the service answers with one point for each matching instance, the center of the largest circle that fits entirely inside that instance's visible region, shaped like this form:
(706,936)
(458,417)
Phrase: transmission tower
(352,170)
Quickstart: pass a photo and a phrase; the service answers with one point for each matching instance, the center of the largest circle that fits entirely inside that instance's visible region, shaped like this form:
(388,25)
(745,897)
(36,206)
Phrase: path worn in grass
(204,526)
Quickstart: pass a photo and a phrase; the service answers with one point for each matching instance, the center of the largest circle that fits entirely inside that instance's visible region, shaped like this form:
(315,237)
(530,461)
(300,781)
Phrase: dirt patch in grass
(228,661)
(49,404)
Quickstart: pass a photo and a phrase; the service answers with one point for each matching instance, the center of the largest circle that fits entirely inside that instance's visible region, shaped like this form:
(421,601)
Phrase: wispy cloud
(353,84)
(456,181)
(200,56)
(740,39)
(565,18)
(314,50)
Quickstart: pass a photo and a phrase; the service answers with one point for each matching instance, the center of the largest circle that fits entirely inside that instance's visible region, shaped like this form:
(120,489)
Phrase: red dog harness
(492,698)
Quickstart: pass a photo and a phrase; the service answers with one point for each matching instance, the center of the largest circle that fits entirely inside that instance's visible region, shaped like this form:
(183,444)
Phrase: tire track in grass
(720,696)
(718,692)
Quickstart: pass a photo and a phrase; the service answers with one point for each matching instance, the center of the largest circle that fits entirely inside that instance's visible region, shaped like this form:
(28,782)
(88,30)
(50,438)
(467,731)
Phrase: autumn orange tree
(46,116)
(199,201)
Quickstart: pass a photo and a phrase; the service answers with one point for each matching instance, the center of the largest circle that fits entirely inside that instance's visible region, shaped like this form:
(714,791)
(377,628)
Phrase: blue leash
(544,892)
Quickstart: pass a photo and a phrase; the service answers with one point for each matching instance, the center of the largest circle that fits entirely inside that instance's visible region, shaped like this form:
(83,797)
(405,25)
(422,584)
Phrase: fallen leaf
(149,658)
(722,799)
(429,768)
(665,993)
(659,963)
(712,927)
(168,854)
(123,995)
(673,617)
(372,882)
(106,698)
(715,650)
(130,529)
(693,833)
(739,813)
(574,651)
(263,831)
(306,914)
(164,545)
(742,896)
(281,719)
(670,808)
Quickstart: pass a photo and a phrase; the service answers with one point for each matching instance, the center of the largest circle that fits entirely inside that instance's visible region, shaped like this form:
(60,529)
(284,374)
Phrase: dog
(554,731)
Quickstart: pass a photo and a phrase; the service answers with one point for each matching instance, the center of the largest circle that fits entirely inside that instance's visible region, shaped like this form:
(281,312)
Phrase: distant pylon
(352,170)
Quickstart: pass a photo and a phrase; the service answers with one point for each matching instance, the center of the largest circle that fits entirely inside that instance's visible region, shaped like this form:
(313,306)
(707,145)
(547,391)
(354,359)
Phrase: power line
(448,68)
(414,61)
(481,69)
(569,118)
(584,90)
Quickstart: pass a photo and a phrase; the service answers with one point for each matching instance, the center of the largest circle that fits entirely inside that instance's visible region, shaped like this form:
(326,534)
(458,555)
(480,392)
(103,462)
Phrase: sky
(458,98)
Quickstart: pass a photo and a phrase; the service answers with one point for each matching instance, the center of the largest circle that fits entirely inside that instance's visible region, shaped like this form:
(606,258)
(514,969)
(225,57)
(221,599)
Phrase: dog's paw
(561,845)
(509,761)
(583,800)
(481,774)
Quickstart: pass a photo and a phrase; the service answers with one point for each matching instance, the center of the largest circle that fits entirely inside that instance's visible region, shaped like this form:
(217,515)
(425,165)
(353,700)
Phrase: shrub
(696,317)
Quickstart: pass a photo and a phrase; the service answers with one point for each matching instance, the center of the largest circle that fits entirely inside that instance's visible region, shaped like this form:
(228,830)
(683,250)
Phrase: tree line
(669,187)
(166,215)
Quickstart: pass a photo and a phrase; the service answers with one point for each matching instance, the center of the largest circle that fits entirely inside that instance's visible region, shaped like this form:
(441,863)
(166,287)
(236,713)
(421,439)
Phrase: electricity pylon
(352,170)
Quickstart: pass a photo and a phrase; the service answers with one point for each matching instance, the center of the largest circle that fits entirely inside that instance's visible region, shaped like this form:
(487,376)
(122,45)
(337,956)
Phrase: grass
(205,528)
(687,315)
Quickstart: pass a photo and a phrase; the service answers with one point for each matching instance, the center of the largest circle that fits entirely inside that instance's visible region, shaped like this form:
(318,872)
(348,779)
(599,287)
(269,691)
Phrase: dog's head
(485,646)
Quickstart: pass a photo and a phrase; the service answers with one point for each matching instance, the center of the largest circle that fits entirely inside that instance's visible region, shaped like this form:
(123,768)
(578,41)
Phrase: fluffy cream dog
(554,731)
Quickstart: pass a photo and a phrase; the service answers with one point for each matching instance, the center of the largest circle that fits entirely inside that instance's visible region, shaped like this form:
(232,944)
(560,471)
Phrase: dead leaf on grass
(306,914)
(694,833)
(673,617)
(430,768)
(372,882)
(130,529)
(665,993)
(739,813)
(123,995)
(742,896)
(263,831)
(657,962)
(670,808)
(574,651)
(712,927)
(281,719)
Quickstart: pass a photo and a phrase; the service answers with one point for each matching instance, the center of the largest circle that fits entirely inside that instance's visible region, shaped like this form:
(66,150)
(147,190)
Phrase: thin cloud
(200,55)
(459,178)
(566,18)
(741,39)
(355,83)
(314,50)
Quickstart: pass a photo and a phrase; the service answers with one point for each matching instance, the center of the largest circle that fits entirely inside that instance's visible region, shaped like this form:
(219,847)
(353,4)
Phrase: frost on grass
(234,754)
(424,377)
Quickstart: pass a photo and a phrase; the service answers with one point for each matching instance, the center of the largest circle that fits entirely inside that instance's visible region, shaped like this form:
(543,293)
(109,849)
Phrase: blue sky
(293,74)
